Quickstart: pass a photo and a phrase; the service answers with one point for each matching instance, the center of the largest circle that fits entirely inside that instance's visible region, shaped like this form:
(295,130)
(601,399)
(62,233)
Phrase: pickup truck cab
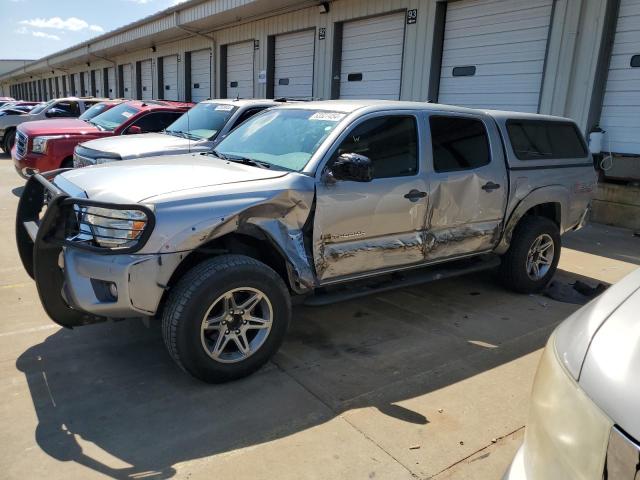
(49,145)
(70,107)
(313,202)
(196,131)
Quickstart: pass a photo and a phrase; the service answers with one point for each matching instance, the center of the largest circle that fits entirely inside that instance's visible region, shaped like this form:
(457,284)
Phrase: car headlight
(112,228)
(39,144)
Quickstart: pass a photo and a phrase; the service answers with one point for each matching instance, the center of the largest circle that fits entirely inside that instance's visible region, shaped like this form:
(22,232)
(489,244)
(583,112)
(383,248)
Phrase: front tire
(225,318)
(8,141)
(532,258)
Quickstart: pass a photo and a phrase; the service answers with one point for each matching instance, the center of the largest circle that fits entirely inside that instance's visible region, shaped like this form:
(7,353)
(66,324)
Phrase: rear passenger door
(362,227)
(467,184)
(155,121)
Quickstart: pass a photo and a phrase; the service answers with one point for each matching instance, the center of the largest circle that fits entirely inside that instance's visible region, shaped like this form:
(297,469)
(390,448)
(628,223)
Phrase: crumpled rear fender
(550,194)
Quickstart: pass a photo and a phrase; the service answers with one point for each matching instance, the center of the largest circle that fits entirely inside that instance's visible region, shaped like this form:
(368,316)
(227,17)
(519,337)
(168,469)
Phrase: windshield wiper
(239,159)
(181,134)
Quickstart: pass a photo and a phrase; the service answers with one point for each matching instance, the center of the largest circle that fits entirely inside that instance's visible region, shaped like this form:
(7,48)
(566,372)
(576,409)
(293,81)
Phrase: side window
(459,143)
(156,121)
(541,139)
(390,142)
(67,109)
(250,112)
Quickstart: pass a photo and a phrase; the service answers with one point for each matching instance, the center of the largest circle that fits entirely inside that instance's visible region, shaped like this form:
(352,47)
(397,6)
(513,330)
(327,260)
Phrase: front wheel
(533,255)
(8,141)
(226,317)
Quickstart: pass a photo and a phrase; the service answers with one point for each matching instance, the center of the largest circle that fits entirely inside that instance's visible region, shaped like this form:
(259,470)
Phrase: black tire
(67,163)
(513,270)
(194,294)
(8,141)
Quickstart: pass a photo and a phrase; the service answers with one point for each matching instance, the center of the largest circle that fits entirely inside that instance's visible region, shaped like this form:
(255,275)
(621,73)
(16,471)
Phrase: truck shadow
(114,386)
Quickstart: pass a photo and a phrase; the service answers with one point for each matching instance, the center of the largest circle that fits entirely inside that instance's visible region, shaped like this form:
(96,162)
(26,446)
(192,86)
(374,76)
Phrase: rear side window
(544,140)
(459,143)
(390,143)
(154,122)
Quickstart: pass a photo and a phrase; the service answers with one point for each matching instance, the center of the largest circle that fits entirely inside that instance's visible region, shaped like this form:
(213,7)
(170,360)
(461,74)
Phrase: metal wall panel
(504,44)
(293,69)
(111,81)
(620,117)
(371,62)
(97,83)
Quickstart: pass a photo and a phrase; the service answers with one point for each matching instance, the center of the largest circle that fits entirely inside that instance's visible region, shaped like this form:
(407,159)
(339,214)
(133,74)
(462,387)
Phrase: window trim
(583,144)
(416,115)
(442,114)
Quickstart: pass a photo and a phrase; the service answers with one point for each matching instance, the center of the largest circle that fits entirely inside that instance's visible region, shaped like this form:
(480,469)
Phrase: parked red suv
(48,144)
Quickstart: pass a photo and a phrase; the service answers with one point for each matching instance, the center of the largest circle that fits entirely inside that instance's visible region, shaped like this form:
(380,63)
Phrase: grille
(21,144)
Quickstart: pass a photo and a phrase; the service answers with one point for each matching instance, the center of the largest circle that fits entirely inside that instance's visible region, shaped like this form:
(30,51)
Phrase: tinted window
(156,121)
(458,143)
(535,140)
(390,142)
(67,108)
(246,114)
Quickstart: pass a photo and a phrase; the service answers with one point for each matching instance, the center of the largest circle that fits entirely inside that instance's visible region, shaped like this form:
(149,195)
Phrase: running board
(404,279)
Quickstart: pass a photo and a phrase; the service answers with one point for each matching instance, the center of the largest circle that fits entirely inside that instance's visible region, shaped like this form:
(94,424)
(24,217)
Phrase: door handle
(487,187)
(415,195)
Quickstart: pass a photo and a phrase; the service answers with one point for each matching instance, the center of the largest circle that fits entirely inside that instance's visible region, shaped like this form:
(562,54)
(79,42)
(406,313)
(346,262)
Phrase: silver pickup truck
(313,202)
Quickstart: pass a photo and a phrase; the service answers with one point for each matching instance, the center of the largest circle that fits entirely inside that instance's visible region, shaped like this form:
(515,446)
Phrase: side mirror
(134,130)
(352,167)
(53,113)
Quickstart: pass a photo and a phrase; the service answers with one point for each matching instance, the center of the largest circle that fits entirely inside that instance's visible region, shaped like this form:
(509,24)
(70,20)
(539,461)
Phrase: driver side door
(367,227)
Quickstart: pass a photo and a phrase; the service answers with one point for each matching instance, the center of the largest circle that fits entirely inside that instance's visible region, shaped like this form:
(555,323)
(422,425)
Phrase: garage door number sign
(412,16)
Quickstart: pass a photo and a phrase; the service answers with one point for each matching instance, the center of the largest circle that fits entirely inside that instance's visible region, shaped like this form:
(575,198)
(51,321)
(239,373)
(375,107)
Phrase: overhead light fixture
(153,48)
(323,7)
(88,64)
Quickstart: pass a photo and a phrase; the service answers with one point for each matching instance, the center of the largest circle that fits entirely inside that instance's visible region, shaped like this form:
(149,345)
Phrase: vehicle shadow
(113,384)
(622,244)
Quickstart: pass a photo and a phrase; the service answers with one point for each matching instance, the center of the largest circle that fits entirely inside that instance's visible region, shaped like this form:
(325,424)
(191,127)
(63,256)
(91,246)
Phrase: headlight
(114,228)
(40,143)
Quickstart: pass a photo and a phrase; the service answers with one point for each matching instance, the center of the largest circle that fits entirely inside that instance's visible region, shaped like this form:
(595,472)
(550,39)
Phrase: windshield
(203,121)
(42,107)
(284,138)
(94,111)
(114,117)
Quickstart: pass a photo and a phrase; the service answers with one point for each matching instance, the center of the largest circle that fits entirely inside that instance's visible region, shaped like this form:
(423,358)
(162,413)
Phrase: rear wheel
(533,255)
(8,141)
(67,163)
(226,317)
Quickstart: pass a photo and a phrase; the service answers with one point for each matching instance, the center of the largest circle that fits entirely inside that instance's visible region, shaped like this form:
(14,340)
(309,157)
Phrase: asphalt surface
(424,382)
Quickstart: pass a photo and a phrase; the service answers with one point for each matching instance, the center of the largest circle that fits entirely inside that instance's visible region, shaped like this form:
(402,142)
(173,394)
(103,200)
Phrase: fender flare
(548,194)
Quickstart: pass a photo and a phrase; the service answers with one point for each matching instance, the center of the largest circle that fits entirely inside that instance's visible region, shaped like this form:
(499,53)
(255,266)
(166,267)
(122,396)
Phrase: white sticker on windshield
(126,114)
(328,116)
(224,108)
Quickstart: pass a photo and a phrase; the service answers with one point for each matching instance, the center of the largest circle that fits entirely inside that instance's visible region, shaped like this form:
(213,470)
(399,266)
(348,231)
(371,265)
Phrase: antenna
(189,131)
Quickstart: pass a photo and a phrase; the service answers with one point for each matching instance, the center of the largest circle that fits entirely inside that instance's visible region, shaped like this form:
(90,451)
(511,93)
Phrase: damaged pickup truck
(313,202)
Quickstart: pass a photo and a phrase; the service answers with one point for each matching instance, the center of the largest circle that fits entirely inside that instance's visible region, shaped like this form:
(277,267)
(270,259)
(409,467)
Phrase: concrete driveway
(424,382)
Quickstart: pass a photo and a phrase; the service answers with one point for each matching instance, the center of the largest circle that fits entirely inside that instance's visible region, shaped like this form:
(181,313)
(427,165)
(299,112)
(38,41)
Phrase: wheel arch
(549,202)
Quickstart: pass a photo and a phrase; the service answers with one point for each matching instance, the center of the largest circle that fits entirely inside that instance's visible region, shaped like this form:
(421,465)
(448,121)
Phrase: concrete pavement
(425,382)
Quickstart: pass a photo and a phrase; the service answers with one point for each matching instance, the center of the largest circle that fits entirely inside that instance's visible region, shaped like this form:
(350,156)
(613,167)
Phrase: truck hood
(146,144)
(140,180)
(610,371)
(60,126)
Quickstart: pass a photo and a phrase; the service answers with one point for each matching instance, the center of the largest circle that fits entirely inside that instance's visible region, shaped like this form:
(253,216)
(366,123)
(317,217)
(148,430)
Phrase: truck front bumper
(77,286)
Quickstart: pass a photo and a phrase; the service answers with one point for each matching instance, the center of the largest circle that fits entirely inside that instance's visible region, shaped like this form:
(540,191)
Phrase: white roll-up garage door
(76,85)
(240,70)
(170,77)
(97,76)
(371,65)
(620,118)
(127,80)
(111,80)
(293,72)
(200,75)
(494,52)
(146,80)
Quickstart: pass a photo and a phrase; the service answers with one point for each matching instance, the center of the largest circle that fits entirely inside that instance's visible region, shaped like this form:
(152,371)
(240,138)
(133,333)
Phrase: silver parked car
(196,131)
(584,421)
(296,202)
